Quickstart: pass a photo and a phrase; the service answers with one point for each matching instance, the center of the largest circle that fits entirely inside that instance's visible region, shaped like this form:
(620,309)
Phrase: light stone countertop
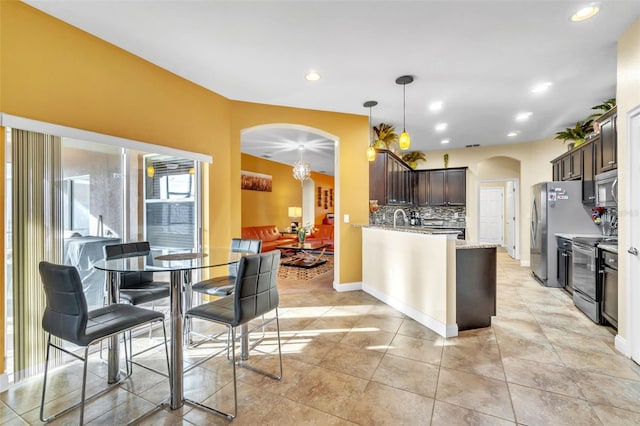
(413,229)
(460,244)
(463,244)
(613,248)
(572,236)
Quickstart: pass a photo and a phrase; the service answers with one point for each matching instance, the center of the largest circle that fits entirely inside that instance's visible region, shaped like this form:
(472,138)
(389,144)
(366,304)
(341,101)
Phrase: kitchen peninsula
(446,284)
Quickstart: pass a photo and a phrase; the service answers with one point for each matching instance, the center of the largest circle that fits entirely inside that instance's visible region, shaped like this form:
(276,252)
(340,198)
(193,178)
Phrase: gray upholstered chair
(223,286)
(255,294)
(66,317)
(136,287)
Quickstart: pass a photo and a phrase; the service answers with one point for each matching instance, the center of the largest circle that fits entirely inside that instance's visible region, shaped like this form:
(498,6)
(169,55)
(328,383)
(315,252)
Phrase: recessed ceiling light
(445,141)
(441,127)
(541,87)
(585,13)
(312,76)
(435,106)
(523,116)
(512,134)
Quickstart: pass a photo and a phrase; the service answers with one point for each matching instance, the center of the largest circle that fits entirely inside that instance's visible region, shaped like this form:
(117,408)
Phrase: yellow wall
(535,166)
(628,97)
(270,208)
(55,73)
(2,283)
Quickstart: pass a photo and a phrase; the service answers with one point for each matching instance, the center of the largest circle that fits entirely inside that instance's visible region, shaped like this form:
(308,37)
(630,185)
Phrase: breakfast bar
(446,284)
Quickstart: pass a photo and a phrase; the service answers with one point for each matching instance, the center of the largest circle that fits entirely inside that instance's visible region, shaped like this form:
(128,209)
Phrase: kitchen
(581,207)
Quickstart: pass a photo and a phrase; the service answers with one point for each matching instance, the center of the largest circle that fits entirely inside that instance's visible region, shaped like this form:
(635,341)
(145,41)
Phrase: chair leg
(263,372)
(44,383)
(279,345)
(231,341)
(84,383)
(233,354)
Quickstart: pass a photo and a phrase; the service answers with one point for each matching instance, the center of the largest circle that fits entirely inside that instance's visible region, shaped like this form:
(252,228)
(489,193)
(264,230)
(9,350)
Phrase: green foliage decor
(581,129)
(385,136)
(412,158)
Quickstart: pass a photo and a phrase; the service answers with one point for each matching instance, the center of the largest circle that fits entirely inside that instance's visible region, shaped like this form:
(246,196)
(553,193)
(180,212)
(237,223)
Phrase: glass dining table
(180,267)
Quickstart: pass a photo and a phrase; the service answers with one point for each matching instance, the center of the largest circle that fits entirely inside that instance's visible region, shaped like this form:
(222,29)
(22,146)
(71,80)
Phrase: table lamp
(294,213)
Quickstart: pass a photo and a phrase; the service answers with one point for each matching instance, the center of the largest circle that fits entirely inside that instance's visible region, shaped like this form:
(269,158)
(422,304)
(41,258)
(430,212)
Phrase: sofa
(322,234)
(269,234)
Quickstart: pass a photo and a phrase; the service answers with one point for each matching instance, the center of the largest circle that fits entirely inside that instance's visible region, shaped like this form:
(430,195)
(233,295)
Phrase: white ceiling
(481,58)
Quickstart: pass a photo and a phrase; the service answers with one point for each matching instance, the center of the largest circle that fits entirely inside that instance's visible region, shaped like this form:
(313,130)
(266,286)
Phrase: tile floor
(349,359)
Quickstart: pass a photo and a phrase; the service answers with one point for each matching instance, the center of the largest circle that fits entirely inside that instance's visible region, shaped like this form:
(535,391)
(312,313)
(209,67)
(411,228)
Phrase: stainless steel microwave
(607,189)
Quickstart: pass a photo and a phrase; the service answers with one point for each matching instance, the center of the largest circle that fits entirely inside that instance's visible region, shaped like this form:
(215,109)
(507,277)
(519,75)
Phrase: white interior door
(491,220)
(510,240)
(633,264)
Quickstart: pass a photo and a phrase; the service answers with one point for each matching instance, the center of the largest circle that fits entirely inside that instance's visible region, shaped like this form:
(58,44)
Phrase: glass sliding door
(93,193)
(103,194)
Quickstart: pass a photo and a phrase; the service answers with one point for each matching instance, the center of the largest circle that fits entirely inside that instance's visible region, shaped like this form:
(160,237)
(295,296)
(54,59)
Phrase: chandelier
(301,169)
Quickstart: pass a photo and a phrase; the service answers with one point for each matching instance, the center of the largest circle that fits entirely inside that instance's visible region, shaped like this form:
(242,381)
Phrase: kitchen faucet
(395,217)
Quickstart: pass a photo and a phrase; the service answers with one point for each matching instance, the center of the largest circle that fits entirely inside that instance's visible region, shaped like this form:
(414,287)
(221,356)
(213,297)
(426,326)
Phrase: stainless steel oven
(586,295)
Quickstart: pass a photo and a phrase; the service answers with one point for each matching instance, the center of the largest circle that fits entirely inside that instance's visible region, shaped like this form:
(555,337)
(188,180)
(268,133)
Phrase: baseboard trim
(445,330)
(347,287)
(622,346)
(525,263)
(4,382)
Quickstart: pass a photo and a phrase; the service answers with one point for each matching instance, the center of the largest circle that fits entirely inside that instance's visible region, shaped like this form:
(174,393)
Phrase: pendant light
(405,139)
(371,151)
(301,169)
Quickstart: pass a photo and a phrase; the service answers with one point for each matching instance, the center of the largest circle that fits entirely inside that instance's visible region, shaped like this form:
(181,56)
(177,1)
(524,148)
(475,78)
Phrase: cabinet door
(436,188)
(392,181)
(588,174)
(566,167)
(555,171)
(607,158)
(422,189)
(378,179)
(455,187)
(561,274)
(576,164)
(610,295)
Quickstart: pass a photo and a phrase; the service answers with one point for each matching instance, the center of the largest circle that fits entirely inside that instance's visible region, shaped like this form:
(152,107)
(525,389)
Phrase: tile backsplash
(384,215)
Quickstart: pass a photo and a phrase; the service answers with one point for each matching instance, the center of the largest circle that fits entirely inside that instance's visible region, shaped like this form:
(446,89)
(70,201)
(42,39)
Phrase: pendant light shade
(405,139)
(371,151)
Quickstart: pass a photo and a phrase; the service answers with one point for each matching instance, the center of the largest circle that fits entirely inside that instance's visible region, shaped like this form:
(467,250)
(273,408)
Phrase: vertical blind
(36,235)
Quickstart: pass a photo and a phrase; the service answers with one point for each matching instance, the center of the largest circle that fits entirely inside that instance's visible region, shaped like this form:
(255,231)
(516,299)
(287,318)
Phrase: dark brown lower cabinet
(475,287)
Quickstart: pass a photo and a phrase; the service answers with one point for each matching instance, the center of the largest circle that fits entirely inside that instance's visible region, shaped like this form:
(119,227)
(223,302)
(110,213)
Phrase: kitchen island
(448,285)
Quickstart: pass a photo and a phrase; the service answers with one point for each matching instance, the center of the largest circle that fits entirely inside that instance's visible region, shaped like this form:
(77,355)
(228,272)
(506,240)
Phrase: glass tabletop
(173,262)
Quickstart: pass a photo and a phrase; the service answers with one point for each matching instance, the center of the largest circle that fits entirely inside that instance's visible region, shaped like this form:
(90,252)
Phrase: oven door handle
(582,249)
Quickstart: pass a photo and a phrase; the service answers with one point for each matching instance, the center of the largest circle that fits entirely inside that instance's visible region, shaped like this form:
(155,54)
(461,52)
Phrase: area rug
(293,273)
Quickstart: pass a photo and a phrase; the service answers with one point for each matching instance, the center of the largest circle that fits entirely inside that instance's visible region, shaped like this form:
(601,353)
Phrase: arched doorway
(282,144)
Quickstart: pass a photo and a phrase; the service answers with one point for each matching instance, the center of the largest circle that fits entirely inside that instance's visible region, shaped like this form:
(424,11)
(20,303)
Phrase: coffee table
(301,256)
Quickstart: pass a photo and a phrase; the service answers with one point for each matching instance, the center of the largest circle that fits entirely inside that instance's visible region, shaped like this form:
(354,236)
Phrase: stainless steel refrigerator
(556,207)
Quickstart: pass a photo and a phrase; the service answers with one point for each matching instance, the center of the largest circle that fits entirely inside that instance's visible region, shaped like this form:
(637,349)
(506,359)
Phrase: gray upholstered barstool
(136,287)
(66,317)
(223,286)
(255,294)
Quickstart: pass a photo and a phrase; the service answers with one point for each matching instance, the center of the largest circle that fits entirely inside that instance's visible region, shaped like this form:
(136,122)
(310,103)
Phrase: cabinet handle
(592,198)
(611,162)
(612,260)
